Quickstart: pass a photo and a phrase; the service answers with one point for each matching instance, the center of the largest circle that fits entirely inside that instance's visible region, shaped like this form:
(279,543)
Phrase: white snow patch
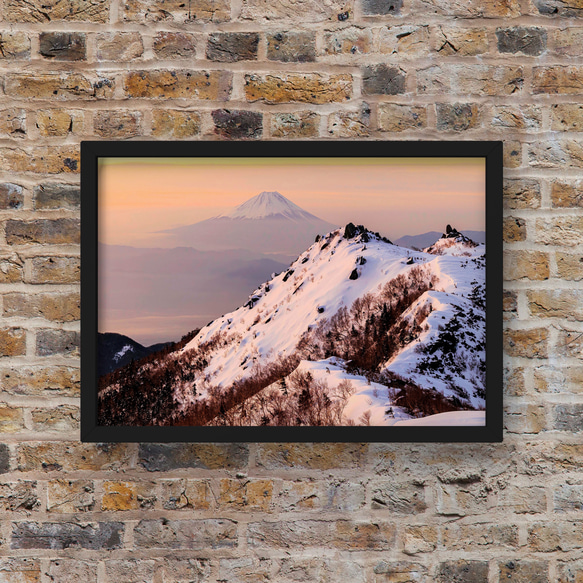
(118,355)
(368,397)
(457,418)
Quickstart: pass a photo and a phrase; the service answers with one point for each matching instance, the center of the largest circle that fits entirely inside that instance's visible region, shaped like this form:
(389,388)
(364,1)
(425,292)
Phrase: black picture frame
(91,151)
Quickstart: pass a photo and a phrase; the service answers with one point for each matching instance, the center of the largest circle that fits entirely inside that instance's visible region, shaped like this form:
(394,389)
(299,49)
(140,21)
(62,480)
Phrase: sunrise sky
(396,197)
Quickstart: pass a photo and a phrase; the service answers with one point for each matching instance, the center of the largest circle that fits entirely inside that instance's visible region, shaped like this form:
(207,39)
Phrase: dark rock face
(527,40)
(161,457)
(64,535)
(453,233)
(63,46)
(350,231)
(290,47)
(230,47)
(238,124)
(383,80)
(371,7)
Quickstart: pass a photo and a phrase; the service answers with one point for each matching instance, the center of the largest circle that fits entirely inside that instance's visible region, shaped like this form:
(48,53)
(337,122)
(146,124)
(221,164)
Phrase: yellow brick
(514,229)
(211,85)
(251,494)
(512,156)
(528,343)
(198,11)
(43,11)
(186,493)
(298,88)
(175,123)
(11,418)
(569,41)
(127,495)
(68,496)
(462,42)
(62,418)
(562,80)
(561,231)
(50,306)
(301,124)
(556,303)
(43,160)
(57,86)
(58,122)
(567,194)
(395,117)
(532,265)
(12,341)
(567,117)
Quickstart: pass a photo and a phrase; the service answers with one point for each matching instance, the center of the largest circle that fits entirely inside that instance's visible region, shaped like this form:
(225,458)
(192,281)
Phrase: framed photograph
(291,291)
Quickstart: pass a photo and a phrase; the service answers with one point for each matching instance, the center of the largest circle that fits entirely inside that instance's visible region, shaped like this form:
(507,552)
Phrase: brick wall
(277,69)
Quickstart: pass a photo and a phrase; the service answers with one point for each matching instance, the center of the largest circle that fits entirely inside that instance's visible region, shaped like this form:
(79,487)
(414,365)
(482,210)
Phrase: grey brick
(161,457)
(64,535)
(186,534)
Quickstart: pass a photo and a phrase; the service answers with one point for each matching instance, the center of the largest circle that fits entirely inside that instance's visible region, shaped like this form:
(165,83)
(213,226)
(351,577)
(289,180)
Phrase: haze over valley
(205,269)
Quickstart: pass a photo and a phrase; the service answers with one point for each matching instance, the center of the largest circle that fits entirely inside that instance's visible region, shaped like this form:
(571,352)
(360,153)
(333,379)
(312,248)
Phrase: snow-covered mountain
(356,331)
(268,222)
(269,205)
(452,242)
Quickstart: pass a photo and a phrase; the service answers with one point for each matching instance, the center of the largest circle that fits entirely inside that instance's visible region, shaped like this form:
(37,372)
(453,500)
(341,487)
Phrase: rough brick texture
(291,69)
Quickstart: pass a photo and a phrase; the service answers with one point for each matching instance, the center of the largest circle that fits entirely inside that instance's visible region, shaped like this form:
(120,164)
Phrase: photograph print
(263,290)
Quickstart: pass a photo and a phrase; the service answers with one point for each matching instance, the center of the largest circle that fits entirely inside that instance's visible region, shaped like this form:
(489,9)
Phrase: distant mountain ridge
(426,239)
(116,350)
(266,223)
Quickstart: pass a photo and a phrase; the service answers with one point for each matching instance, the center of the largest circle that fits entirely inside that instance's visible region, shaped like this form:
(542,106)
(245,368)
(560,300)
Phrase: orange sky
(393,196)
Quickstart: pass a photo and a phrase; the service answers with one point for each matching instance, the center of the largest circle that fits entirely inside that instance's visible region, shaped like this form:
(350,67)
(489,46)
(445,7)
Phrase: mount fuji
(266,223)
(270,205)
